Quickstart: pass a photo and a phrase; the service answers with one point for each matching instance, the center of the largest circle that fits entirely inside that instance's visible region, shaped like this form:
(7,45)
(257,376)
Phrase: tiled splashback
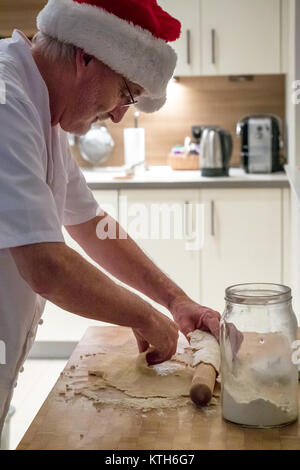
(199,101)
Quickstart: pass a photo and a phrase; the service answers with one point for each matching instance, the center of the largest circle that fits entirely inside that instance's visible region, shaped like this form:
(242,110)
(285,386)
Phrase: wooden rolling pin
(203,384)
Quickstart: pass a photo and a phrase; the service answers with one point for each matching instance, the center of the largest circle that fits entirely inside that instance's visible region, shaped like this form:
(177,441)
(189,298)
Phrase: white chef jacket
(41,189)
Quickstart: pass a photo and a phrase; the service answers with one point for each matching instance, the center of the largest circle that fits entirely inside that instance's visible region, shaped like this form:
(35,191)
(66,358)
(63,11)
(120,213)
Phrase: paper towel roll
(134,145)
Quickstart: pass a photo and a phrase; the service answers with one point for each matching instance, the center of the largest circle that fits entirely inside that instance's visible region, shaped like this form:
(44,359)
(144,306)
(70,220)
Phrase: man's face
(97,93)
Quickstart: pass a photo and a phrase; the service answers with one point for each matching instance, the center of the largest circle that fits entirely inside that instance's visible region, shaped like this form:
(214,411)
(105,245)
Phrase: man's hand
(190,316)
(162,334)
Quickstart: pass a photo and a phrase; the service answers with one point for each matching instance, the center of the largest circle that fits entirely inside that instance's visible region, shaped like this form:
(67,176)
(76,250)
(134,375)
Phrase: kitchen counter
(163,177)
(70,421)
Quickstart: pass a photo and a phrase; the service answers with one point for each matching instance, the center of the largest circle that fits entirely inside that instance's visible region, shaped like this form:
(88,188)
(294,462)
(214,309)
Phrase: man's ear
(87,59)
(82,59)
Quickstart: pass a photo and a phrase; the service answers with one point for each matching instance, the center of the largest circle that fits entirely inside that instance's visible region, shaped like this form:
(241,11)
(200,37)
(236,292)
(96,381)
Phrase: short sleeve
(80,205)
(28,211)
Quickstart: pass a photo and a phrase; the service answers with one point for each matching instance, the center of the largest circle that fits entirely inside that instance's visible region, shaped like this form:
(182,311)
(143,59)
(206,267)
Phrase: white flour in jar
(259,412)
(259,385)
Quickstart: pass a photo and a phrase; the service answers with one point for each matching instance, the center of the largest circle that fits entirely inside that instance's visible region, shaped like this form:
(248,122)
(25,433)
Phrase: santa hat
(130,36)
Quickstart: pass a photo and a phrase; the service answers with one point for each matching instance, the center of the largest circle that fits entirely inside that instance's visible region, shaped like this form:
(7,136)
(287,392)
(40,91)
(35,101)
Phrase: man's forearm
(62,276)
(123,258)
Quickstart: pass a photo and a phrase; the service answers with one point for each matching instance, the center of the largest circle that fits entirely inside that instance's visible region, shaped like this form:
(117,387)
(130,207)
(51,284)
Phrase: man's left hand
(190,316)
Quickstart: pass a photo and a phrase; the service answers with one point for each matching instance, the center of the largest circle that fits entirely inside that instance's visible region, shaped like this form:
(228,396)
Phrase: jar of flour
(259,372)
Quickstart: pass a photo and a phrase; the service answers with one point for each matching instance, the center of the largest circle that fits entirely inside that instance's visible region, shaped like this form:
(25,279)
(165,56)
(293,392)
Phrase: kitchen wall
(19,14)
(197,101)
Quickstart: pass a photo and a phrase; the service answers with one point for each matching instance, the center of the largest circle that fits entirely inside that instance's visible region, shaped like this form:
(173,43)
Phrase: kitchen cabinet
(188,45)
(240,36)
(243,240)
(73,326)
(243,236)
(167,225)
(228,37)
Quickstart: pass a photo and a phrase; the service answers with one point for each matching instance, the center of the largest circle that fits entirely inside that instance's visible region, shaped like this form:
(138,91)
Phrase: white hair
(54,49)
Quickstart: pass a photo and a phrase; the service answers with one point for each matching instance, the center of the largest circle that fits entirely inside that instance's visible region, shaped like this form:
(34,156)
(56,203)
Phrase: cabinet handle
(188,45)
(212,221)
(186,218)
(213,46)
(188,224)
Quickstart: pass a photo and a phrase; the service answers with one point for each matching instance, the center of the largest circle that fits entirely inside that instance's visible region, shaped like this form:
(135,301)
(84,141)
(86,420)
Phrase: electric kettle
(215,151)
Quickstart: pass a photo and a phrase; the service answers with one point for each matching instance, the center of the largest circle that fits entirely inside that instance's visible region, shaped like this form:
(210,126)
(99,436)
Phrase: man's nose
(116,115)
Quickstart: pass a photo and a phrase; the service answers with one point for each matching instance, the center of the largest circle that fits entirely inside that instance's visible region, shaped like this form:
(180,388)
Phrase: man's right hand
(161,333)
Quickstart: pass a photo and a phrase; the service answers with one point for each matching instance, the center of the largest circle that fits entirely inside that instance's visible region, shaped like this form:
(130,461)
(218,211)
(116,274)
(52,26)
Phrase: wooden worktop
(73,422)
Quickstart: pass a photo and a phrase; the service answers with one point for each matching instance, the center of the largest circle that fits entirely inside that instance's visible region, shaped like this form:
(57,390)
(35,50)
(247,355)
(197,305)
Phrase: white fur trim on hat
(150,105)
(126,48)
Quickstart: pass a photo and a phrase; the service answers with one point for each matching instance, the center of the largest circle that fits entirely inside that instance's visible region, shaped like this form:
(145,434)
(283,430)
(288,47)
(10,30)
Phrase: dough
(206,349)
(127,381)
(134,377)
(114,397)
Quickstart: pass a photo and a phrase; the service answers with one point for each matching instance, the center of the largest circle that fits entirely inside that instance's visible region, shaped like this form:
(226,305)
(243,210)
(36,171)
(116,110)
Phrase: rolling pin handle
(203,384)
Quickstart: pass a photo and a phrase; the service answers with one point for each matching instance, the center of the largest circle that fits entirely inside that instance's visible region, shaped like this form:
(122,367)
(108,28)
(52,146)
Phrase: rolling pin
(203,384)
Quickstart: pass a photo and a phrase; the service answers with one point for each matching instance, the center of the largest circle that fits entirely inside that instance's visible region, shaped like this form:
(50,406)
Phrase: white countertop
(164,176)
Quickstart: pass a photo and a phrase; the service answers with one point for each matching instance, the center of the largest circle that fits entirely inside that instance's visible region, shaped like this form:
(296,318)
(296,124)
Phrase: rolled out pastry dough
(132,375)
(170,380)
(206,349)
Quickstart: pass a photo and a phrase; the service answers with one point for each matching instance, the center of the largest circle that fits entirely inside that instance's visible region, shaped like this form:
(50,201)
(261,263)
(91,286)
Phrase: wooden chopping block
(203,384)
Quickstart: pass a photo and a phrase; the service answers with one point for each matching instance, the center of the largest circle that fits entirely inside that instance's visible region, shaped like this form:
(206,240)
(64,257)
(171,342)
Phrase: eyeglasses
(132,100)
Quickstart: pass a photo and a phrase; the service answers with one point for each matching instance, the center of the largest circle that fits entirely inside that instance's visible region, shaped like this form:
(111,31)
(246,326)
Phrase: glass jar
(259,379)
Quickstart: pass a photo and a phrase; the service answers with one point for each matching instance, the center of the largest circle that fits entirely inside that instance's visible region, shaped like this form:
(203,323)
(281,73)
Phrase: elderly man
(90,60)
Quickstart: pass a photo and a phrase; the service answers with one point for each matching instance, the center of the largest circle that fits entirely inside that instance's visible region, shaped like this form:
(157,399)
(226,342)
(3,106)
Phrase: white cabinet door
(243,240)
(188,46)
(166,224)
(240,36)
(60,325)
(287,236)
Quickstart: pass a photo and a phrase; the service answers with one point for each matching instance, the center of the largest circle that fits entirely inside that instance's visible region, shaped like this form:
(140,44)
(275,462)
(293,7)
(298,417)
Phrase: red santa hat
(130,36)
